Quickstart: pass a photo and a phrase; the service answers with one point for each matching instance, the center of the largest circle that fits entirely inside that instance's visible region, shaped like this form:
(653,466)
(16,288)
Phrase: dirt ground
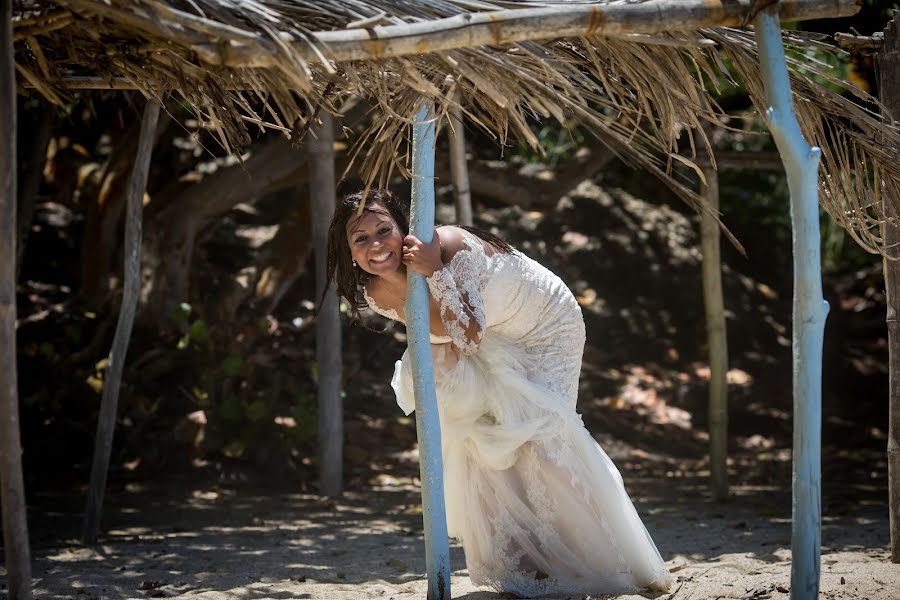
(245,542)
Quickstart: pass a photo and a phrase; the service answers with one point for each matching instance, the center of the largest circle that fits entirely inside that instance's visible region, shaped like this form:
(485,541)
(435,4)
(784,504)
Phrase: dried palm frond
(252,63)
(860,150)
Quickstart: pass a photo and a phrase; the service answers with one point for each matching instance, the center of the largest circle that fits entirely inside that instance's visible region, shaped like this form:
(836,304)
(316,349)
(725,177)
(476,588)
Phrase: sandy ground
(233,544)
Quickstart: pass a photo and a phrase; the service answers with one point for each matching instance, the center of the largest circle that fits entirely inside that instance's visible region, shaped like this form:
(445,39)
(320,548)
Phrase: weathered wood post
(12,486)
(717,339)
(889,91)
(106,422)
(421,225)
(801,163)
(328,321)
(459,170)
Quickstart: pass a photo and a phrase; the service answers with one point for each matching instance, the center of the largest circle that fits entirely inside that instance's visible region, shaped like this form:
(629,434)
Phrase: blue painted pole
(801,163)
(431,468)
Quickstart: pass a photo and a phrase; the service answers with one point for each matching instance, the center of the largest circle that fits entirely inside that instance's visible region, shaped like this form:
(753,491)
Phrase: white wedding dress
(536,503)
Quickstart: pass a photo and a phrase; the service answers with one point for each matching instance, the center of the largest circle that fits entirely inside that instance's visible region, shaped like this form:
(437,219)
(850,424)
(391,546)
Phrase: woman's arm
(455,293)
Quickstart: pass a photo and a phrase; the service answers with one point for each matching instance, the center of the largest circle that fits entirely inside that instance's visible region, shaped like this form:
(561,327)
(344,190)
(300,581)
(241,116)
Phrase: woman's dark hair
(351,279)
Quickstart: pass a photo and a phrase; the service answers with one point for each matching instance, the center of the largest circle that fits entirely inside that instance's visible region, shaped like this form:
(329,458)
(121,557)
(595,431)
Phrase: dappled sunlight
(299,545)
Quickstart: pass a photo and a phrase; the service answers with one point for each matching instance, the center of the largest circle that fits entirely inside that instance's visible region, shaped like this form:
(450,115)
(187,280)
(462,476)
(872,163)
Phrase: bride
(538,506)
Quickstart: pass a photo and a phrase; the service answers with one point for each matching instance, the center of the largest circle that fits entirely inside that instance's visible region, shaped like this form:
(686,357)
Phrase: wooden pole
(12,486)
(801,163)
(716,338)
(328,323)
(428,427)
(236,47)
(459,170)
(889,91)
(106,424)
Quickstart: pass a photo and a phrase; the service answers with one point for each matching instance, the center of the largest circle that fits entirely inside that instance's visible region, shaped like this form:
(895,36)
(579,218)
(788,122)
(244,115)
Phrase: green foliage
(231,365)
(248,404)
(558,142)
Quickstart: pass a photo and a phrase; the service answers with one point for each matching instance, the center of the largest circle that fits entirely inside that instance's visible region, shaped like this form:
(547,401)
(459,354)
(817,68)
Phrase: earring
(354,263)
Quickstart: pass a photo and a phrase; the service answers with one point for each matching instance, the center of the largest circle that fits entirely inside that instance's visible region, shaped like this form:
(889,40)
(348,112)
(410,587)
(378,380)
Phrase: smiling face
(375,240)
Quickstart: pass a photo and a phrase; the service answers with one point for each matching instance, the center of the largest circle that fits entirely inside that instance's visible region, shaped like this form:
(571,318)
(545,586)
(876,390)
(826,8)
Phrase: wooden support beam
(418,330)
(516,25)
(801,164)
(888,60)
(106,424)
(860,43)
(320,145)
(714,304)
(240,48)
(459,169)
(12,486)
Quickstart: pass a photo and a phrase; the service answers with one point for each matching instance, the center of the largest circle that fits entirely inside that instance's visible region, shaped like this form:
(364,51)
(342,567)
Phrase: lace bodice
(484,292)
(457,291)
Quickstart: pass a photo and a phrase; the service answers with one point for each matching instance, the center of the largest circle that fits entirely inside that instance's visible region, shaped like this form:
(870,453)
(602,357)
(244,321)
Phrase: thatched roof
(641,89)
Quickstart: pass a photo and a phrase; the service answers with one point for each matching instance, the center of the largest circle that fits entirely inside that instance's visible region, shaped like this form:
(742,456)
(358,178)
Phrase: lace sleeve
(456,289)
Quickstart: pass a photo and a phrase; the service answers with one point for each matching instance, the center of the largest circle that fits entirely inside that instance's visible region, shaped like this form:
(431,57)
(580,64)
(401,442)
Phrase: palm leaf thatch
(640,88)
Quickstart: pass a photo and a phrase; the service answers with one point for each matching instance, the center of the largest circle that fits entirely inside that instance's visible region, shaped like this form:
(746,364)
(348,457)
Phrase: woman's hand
(421,257)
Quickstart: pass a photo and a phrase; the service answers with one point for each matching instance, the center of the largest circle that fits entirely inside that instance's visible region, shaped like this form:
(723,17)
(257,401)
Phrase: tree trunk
(717,339)
(506,185)
(889,92)
(131,291)
(285,256)
(12,486)
(171,231)
(328,324)
(103,218)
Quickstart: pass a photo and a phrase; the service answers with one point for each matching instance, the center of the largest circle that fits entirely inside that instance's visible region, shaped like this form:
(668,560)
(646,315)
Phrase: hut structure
(640,75)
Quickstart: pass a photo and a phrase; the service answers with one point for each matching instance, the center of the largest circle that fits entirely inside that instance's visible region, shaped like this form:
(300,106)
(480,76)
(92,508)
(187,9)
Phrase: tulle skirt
(536,503)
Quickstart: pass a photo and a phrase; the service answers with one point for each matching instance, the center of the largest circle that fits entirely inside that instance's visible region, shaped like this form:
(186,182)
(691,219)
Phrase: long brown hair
(352,279)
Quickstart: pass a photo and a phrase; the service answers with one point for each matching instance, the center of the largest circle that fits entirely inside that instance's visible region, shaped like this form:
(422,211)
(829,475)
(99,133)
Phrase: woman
(537,505)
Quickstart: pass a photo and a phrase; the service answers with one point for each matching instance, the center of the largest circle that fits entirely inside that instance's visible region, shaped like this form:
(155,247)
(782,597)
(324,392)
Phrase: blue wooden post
(801,163)
(437,550)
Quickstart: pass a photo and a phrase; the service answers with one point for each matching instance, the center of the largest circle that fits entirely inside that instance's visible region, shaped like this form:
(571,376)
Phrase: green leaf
(182,312)
(96,383)
(257,410)
(199,332)
(231,409)
(231,365)
(184,342)
(234,449)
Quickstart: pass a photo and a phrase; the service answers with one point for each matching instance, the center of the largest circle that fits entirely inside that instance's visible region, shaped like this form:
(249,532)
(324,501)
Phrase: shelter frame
(250,51)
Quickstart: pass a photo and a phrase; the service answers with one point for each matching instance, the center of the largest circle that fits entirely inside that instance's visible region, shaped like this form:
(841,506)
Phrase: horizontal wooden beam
(638,21)
(517,25)
(871,43)
(251,49)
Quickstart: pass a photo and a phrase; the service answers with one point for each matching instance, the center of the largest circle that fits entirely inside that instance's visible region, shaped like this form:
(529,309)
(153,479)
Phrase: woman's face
(376,242)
